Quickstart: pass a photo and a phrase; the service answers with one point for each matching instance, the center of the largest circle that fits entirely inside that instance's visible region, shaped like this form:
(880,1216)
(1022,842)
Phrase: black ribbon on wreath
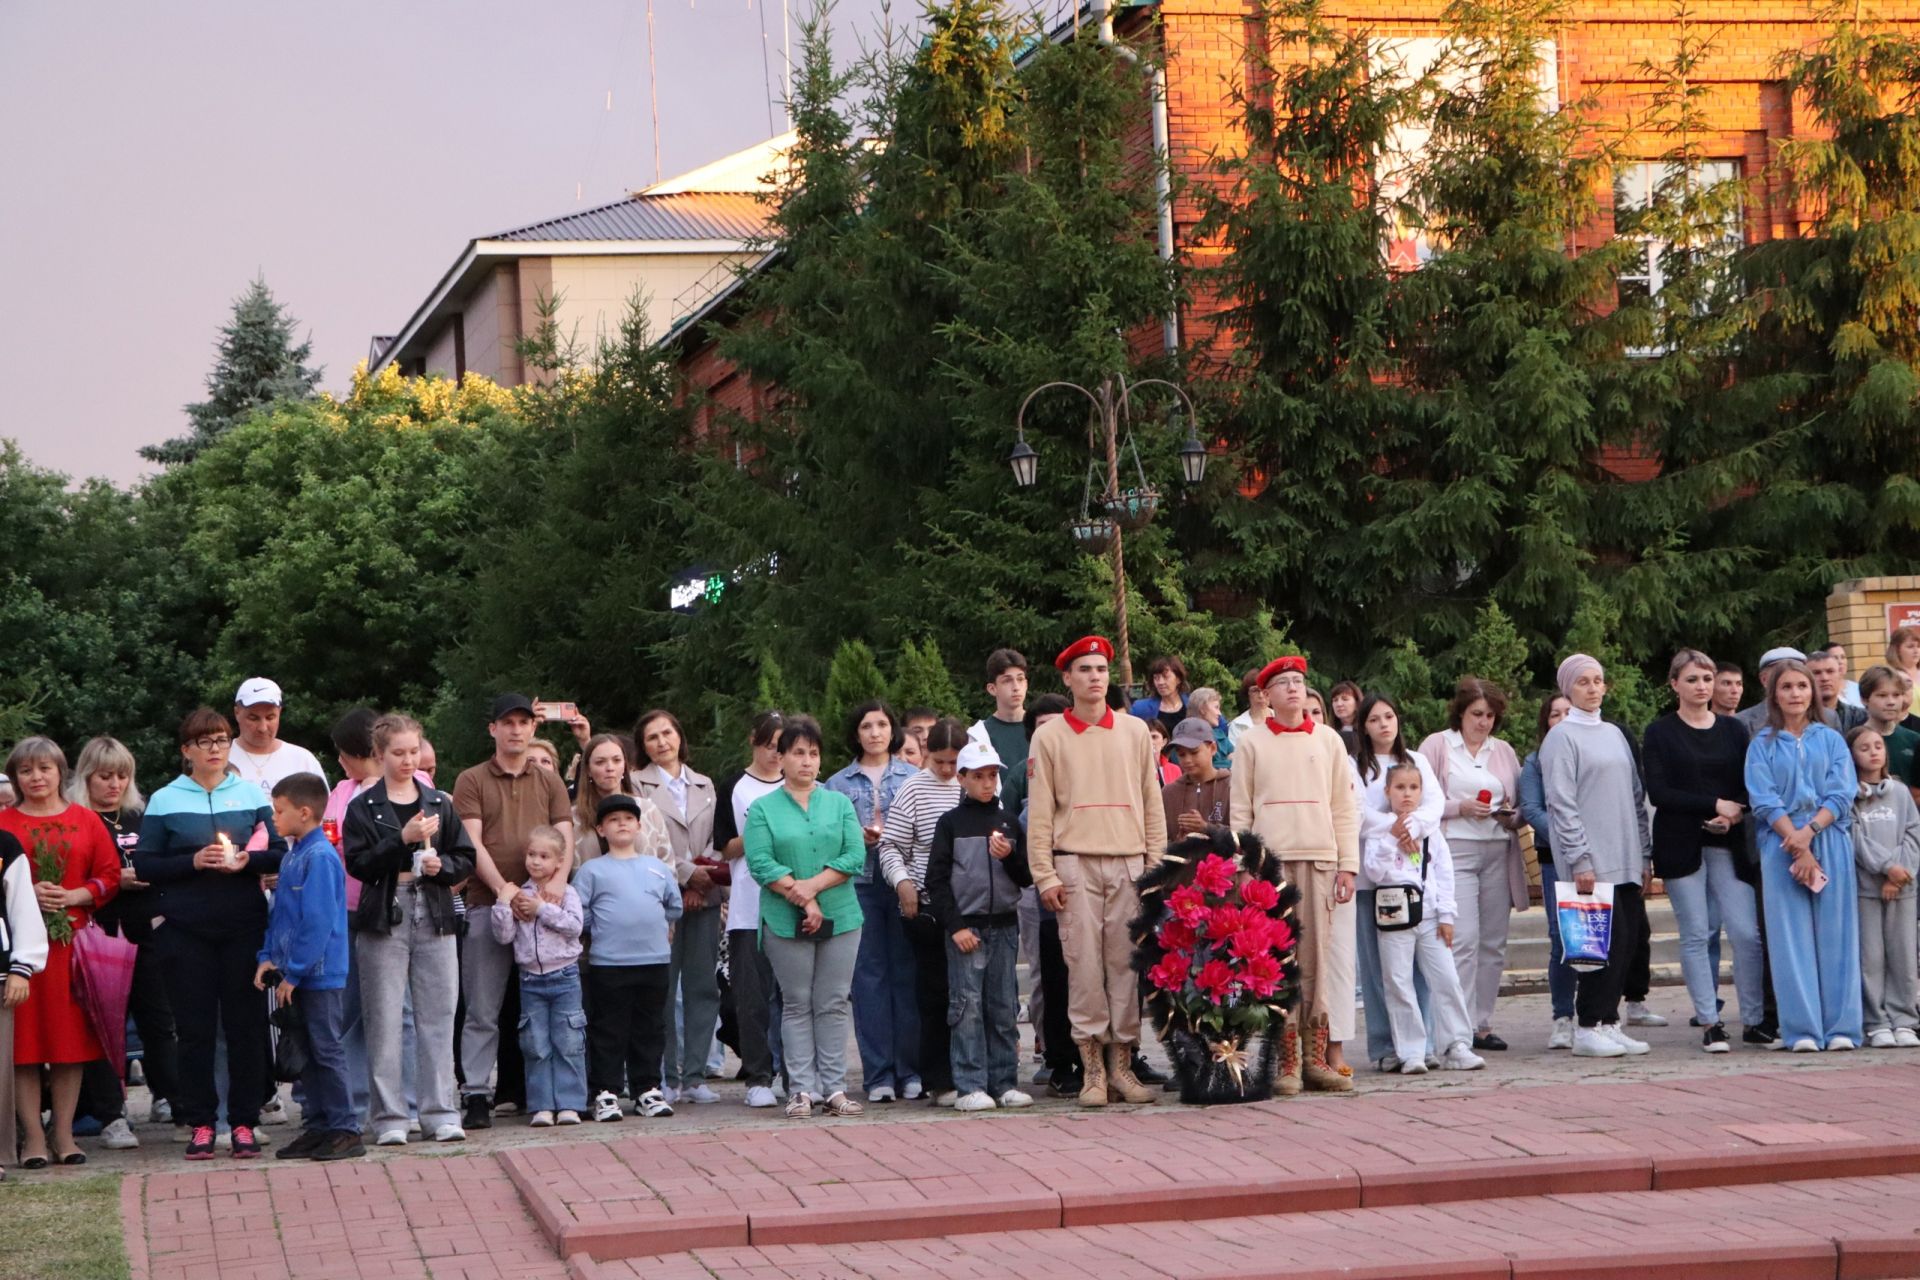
(1214,941)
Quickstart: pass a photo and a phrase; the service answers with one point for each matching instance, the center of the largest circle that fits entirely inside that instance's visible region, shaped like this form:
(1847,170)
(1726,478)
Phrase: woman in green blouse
(804,845)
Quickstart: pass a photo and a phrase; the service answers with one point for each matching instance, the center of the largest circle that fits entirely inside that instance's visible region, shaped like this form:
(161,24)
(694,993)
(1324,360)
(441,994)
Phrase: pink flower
(1253,941)
(1177,935)
(1280,935)
(1170,974)
(1260,894)
(1223,923)
(1262,975)
(1214,978)
(1187,904)
(1214,875)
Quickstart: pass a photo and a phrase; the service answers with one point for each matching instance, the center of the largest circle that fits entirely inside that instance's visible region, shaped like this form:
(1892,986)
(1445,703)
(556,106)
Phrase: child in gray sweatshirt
(1886,852)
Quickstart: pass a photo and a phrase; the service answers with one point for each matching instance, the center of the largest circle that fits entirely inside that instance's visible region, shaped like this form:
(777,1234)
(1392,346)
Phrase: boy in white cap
(975,872)
(260,757)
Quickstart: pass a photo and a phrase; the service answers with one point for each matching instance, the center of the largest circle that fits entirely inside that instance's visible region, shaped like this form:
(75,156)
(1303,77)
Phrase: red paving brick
(706,1196)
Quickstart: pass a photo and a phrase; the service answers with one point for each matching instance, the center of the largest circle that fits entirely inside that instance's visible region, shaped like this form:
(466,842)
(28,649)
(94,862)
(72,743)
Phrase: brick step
(826,1182)
(1822,1229)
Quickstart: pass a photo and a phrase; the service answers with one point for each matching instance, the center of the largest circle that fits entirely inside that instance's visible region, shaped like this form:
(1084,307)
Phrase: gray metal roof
(695,215)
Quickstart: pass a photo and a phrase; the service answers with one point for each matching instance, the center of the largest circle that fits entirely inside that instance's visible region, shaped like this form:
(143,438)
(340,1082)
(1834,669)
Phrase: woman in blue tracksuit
(215,918)
(1801,784)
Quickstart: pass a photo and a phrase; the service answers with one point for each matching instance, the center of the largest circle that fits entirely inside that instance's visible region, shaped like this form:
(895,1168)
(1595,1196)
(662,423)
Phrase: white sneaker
(413,1126)
(1806,1044)
(391,1138)
(701,1095)
(540,1120)
(1461,1057)
(1594,1042)
(1638,1015)
(162,1111)
(1013,1098)
(947,1099)
(275,1112)
(1881,1039)
(1625,1041)
(1562,1037)
(117,1136)
(1414,1067)
(1905,1038)
(881,1093)
(760,1096)
(911,1090)
(1840,1044)
(653,1104)
(1388,1065)
(506,1109)
(449,1133)
(978,1100)
(607,1107)
(666,1091)
(566,1115)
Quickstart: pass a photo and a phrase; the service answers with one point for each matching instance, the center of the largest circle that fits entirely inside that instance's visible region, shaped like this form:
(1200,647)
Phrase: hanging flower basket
(1133,508)
(1215,942)
(1094,534)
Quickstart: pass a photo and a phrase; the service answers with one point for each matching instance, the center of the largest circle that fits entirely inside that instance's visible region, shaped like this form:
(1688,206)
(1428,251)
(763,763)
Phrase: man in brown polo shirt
(1094,822)
(499,803)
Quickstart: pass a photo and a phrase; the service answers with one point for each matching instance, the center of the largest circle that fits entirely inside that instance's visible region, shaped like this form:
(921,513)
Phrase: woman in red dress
(50,1027)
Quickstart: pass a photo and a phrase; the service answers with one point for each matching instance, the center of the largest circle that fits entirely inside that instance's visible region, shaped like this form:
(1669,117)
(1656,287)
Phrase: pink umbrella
(102,977)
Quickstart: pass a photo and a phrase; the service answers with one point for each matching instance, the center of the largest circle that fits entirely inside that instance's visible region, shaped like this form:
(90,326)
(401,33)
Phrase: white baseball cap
(979,755)
(256,691)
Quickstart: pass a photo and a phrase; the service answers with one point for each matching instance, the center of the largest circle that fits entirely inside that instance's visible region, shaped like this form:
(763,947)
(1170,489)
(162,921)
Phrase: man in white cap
(1755,716)
(260,757)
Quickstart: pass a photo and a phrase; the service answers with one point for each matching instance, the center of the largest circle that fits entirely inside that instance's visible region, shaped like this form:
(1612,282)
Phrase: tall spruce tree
(1306,387)
(1828,378)
(259,363)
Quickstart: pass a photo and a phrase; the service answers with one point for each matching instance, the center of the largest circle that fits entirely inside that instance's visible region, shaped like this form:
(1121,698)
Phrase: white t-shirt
(743,898)
(283,761)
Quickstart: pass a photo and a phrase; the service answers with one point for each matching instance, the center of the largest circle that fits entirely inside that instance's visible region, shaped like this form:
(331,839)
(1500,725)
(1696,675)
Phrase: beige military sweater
(1092,789)
(1294,791)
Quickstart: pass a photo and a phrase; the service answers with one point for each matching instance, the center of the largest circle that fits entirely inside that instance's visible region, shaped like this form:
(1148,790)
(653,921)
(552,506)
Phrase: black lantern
(1026,463)
(1193,454)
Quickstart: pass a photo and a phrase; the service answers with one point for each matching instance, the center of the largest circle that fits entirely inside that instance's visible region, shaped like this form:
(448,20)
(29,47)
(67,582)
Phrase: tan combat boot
(1122,1084)
(1093,1081)
(1320,1077)
(1289,1082)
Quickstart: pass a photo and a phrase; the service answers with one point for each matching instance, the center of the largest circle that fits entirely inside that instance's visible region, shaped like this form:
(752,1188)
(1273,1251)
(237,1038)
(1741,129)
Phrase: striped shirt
(908,836)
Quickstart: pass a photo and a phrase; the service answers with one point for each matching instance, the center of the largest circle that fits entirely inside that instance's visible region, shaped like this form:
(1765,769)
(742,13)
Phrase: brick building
(1601,50)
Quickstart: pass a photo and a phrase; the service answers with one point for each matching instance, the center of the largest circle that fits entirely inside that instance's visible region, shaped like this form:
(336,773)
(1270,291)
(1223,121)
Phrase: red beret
(1081,648)
(1292,662)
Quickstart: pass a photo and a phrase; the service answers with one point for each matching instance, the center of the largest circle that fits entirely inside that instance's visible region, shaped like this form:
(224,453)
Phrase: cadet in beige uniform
(1292,788)
(1095,822)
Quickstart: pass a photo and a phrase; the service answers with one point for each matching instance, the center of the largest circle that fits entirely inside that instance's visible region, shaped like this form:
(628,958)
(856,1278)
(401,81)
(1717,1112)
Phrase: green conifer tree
(921,679)
(852,678)
(259,363)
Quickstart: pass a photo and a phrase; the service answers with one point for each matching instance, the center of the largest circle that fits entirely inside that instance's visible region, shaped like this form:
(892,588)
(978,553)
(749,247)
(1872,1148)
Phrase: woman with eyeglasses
(206,839)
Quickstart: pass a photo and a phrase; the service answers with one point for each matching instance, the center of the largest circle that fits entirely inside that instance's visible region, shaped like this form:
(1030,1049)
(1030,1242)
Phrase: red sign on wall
(1903,614)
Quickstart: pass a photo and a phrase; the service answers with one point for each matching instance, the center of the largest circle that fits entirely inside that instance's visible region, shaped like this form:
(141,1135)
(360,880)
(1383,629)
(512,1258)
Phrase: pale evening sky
(156,156)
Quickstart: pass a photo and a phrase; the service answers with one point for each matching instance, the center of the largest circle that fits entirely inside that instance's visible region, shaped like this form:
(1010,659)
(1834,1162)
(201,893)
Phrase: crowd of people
(586,942)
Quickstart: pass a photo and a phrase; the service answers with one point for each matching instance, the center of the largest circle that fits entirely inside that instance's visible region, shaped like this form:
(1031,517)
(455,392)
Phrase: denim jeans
(1373,990)
(983,1010)
(1693,898)
(1561,981)
(329,1094)
(886,1012)
(553,1040)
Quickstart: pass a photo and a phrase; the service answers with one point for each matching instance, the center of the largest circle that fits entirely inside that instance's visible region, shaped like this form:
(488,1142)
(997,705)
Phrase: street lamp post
(1112,405)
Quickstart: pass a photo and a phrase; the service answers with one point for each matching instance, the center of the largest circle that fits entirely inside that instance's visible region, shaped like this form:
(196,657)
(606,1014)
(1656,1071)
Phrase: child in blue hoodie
(306,947)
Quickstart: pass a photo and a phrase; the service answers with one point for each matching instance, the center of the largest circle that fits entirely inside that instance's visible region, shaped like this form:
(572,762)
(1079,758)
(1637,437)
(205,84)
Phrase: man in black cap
(499,802)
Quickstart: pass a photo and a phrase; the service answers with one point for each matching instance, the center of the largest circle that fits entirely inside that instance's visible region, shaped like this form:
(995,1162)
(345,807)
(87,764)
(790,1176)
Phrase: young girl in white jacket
(1389,863)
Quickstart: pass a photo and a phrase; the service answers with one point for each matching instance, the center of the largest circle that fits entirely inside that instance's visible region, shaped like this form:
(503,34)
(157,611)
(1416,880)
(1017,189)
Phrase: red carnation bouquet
(1215,940)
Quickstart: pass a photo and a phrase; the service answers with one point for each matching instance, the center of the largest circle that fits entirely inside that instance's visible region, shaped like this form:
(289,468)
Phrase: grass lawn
(61,1228)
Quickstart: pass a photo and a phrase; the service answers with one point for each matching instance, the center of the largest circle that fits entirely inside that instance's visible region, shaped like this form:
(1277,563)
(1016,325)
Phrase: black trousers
(209,981)
(1598,998)
(1639,978)
(929,943)
(1056,1027)
(626,1027)
(751,981)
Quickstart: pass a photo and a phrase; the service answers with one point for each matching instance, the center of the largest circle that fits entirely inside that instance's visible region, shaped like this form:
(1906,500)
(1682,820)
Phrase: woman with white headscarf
(1598,814)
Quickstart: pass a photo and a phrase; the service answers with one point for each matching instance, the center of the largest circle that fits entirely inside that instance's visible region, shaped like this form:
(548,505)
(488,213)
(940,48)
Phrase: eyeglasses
(211,744)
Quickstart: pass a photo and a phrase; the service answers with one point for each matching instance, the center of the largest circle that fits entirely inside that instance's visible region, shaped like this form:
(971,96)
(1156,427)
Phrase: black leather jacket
(376,855)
